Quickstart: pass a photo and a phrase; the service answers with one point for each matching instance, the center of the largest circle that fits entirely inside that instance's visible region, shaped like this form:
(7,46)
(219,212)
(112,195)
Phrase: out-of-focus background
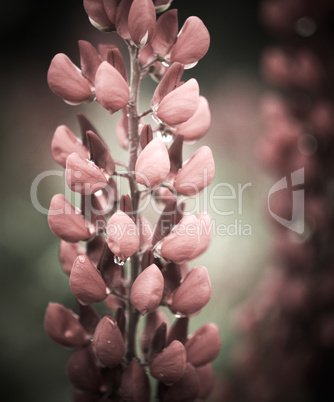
(32,367)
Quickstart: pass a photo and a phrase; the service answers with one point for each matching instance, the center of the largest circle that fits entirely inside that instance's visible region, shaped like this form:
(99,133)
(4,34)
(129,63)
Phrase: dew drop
(165,63)
(177,315)
(118,260)
(165,136)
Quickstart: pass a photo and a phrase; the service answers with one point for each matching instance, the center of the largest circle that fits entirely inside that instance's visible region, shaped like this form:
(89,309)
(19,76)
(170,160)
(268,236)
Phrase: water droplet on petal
(118,260)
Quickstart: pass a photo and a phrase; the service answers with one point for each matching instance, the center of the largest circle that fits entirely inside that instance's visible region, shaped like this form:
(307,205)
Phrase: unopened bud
(193,293)
(108,344)
(86,281)
(154,154)
(147,290)
(169,365)
(135,386)
(63,326)
(204,345)
(141,21)
(186,389)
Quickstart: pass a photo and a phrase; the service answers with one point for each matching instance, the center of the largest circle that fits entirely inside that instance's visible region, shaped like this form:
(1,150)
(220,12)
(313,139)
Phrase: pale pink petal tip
(179,105)
(83,176)
(185,300)
(196,173)
(154,154)
(66,222)
(86,281)
(63,326)
(67,81)
(64,142)
(198,125)
(169,365)
(108,344)
(147,290)
(123,236)
(112,91)
(204,345)
(179,245)
(141,22)
(192,43)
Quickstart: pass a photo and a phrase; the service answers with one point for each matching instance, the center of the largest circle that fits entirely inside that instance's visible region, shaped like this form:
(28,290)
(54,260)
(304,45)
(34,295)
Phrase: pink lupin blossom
(169,365)
(86,281)
(198,125)
(112,91)
(206,380)
(192,43)
(181,242)
(166,33)
(203,346)
(123,236)
(68,252)
(179,105)
(147,290)
(108,344)
(64,142)
(63,326)
(186,389)
(168,83)
(67,81)
(205,231)
(110,8)
(196,173)
(83,372)
(185,300)
(154,154)
(122,14)
(97,14)
(83,176)
(134,384)
(66,221)
(141,21)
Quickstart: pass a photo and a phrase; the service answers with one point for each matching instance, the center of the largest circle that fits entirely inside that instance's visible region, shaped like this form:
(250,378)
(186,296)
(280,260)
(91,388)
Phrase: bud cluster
(134,274)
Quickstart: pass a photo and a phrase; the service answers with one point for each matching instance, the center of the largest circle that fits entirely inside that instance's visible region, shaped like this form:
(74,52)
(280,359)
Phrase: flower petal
(97,15)
(166,33)
(141,21)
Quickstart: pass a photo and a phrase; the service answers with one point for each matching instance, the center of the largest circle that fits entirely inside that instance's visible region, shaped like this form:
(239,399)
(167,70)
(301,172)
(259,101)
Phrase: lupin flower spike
(109,248)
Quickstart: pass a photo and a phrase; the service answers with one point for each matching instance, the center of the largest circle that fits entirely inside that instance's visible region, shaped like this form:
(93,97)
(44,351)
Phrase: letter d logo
(296,223)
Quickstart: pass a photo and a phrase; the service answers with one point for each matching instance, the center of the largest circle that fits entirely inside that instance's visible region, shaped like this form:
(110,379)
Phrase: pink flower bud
(97,15)
(206,380)
(63,326)
(67,81)
(110,7)
(181,242)
(141,21)
(64,142)
(186,389)
(147,290)
(204,345)
(169,365)
(89,60)
(83,372)
(169,82)
(193,293)
(135,386)
(166,33)
(122,16)
(154,154)
(198,125)
(112,91)
(179,105)
(196,173)
(123,236)
(205,233)
(86,281)
(192,43)
(83,176)
(68,252)
(108,344)
(115,58)
(66,221)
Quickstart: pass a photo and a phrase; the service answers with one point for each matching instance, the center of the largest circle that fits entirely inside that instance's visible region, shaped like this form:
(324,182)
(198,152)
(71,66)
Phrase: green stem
(133,121)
